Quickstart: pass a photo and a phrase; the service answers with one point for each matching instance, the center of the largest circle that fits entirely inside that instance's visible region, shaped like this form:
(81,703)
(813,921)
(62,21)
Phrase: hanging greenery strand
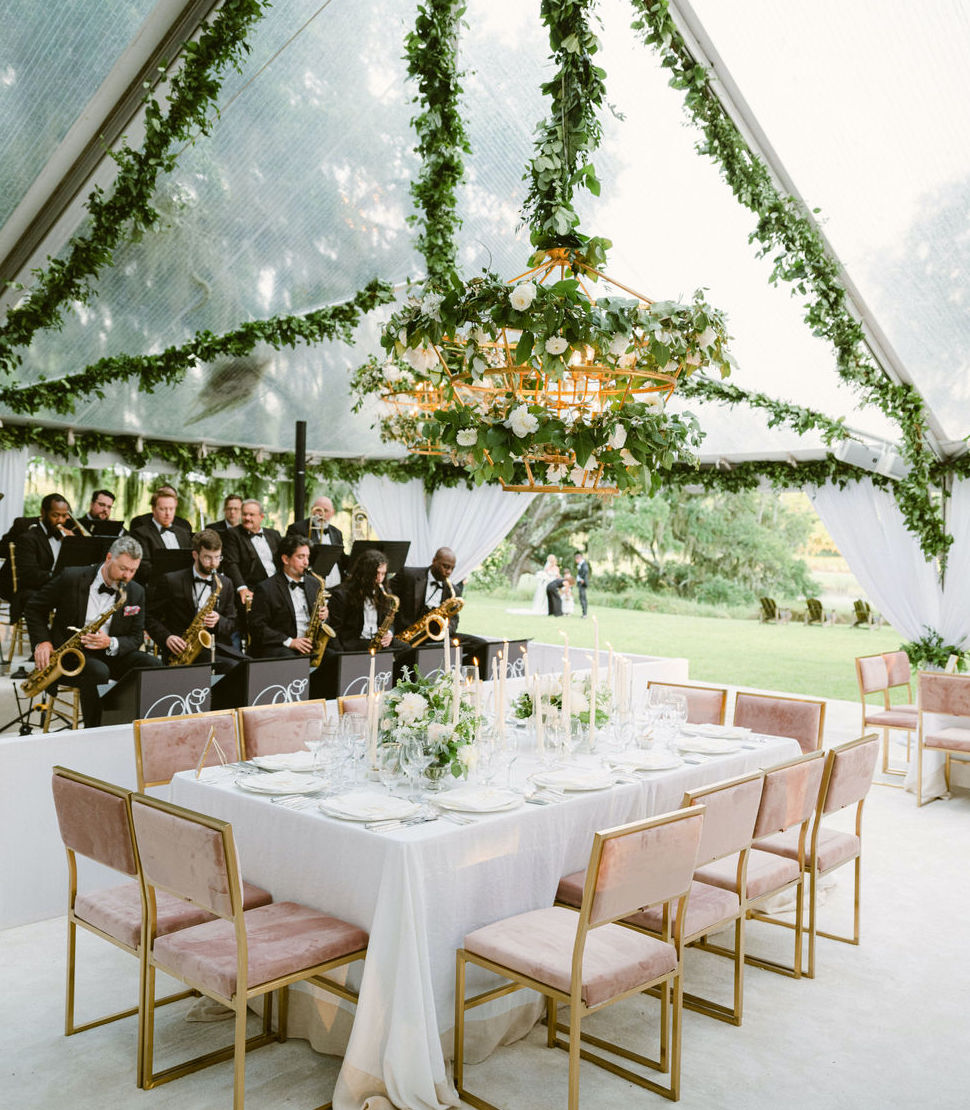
(127,206)
(565,141)
(431,50)
(802,260)
(170,367)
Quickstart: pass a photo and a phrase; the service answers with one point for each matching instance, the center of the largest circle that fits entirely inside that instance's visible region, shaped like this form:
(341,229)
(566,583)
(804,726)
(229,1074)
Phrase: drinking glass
(415,758)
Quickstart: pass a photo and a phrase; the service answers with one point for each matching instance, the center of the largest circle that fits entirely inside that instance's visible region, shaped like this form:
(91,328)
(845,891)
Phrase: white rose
(438,732)
(555,474)
(555,345)
(693,359)
(628,459)
(479,365)
(655,397)
(392,373)
(522,422)
(577,475)
(432,304)
(618,438)
(577,702)
(522,295)
(468,437)
(708,337)
(470,757)
(480,336)
(619,344)
(420,358)
(626,361)
(670,368)
(412,707)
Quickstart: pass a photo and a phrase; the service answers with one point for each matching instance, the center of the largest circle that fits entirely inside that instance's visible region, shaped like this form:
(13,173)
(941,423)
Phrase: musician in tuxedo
(283,605)
(143,518)
(161,533)
(175,599)
(359,606)
(249,555)
(99,511)
(422,589)
(231,514)
(37,550)
(77,596)
(318,529)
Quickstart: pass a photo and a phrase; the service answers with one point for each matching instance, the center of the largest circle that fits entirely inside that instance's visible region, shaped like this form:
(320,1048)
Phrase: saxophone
(197,636)
(39,680)
(387,621)
(434,624)
(321,634)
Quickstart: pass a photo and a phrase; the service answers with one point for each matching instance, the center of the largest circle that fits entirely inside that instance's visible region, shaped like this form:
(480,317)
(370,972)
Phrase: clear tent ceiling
(300,196)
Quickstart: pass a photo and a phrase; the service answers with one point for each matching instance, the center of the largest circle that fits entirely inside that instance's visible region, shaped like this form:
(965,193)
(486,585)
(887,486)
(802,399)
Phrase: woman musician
(360,607)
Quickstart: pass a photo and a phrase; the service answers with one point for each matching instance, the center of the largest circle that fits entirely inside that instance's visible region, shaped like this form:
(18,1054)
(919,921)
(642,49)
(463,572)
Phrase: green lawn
(799,659)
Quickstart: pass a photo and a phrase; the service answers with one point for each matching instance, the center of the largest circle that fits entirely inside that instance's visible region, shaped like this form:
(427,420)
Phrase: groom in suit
(77,596)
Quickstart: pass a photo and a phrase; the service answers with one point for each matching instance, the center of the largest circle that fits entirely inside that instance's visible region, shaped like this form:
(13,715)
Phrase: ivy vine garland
(800,258)
(128,204)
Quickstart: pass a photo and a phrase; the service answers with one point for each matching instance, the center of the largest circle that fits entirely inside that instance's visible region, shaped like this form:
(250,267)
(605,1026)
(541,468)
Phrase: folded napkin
(364,805)
(280,782)
(478,799)
(707,745)
(721,732)
(285,761)
(574,778)
(656,760)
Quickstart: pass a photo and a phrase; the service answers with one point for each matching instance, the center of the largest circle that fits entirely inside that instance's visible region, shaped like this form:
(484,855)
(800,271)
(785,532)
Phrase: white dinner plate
(658,760)
(719,732)
(574,780)
(279,782)
(285,761)
(707,745)
(478,799)
(367,805)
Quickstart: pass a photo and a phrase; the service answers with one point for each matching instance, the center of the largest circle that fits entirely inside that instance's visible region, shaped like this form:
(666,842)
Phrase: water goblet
(416,757)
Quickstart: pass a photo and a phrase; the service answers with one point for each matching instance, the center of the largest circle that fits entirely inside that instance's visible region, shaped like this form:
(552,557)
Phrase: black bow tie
(297,585)
(202,581)
(164,529)
(435,585)
(103,589)
(255,535)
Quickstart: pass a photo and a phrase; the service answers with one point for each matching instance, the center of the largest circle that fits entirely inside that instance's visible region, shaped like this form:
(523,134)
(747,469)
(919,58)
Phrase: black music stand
(82,551)
(263,682)
(344,673)
(486,652)
(395,551)
(324,557)
(158,692)
(426,658)
(112,528)
(169,560)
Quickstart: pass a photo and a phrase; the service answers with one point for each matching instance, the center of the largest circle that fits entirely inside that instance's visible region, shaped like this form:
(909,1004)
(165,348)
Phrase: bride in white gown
(543,578)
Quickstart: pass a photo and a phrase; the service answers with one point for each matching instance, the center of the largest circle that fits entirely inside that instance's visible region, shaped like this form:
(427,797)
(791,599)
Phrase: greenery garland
(431,53)
(802,260)
(170,367)
(750,475)
(129,203)
(572,131)
(801,419)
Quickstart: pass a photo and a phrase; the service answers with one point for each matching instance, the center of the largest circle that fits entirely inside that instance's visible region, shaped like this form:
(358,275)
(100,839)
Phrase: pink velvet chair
(706,705)
(166,745)
(587,961)
(353,705)
(239,956)
(731,809)
(280,729)
(94,818)
(846,780)
(948,695)
(882,674)
(803,719)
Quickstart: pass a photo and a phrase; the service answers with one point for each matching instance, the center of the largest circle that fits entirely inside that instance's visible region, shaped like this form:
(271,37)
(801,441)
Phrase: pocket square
(131,610)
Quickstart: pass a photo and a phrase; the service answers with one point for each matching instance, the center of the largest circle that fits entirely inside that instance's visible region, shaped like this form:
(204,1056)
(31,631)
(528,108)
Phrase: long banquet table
(419,890)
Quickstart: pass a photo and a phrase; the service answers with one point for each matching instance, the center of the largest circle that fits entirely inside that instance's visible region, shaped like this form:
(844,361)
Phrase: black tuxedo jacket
(35,560)
(239,558)
(172,608)
(145,518)
(151,543)
(219,525)
(411,585)
(67,596)
(582,573)
(272,618)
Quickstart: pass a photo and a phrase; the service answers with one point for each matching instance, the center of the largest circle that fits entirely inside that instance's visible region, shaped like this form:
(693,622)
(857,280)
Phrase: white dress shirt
(169,538)
(99,603)
(261,547)
(369,628)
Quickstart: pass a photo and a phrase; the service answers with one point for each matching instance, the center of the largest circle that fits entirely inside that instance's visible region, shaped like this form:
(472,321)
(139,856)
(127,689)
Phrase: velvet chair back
(851,767)
(706,705)
(800,718)
(279,729)
(166,745)
(731,809)
(790,794)
(93,820)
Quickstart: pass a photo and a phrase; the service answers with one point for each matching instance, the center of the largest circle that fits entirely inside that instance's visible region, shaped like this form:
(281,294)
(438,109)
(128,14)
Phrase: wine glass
(313,740)
(416,757)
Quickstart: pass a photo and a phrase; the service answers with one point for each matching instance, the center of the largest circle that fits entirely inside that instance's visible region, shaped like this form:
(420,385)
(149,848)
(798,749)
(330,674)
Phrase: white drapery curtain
(472,521)
(868,528)
(13,474)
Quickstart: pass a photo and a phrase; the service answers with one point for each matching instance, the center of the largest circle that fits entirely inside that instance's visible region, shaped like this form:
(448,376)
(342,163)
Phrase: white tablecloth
(418,891)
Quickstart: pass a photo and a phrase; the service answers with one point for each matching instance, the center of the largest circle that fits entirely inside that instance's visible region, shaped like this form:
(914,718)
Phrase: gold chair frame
(239,1002)
(669,986)
(741,694)
(952,676)
(887,769)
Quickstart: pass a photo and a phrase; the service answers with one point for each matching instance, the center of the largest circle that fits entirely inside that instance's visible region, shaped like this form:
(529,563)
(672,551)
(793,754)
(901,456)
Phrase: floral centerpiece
(424,706)
(551,694)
